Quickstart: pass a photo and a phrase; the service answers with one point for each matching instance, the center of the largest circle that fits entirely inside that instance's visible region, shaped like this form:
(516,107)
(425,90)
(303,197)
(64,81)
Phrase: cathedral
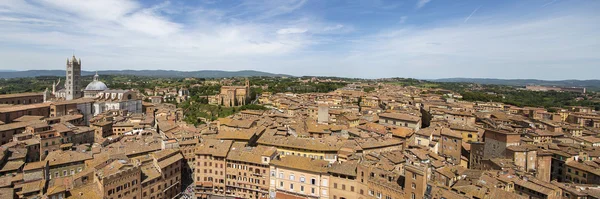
(105,99)
(231,95)
(71,89)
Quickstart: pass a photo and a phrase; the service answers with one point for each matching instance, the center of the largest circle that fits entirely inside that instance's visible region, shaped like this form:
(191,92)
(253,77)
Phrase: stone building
(94,87)
(22,98)
(451,145)
(247,172)
(72,84)
(117,100)
(299,177)
(231,95)
(210,168)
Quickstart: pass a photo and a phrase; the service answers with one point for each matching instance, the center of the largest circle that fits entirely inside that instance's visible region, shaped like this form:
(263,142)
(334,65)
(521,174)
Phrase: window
(281,184)
(291,186)
(412,196)
(301,188)
(313,181)
(414,176)
(335,185)
(281,175)
(302,179)
(292,177)
(312,190)
(413,185)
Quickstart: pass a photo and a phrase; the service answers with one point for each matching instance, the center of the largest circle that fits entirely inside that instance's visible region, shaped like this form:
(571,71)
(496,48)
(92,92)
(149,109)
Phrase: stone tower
(72,83)
(247,86)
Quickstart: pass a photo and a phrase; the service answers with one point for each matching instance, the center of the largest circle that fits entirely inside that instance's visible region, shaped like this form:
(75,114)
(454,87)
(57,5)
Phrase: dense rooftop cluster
(393,142)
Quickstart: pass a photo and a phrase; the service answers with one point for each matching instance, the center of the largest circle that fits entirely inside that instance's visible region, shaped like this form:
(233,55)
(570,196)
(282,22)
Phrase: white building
(117,100)
(94,87)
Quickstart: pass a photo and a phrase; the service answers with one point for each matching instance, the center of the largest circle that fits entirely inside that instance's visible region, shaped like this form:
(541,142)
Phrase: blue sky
(542,39)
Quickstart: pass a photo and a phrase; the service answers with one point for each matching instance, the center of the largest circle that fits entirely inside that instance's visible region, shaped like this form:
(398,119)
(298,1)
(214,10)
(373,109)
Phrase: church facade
(123,100)
(104,99)
(71,89)
(231,96)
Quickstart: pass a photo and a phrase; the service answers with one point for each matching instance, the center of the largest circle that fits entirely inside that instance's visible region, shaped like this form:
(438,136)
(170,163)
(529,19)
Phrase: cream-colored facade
(299,176)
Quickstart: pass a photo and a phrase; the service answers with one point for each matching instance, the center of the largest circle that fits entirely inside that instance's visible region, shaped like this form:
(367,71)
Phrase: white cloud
(149,23)
(291,31)
(421,3)
(335,27)
(403,19)
(135,36)
(137,33)
(509,49)
(110,10)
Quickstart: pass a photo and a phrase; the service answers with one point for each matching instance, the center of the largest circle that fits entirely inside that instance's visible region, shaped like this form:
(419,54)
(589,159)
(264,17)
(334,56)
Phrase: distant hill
(150,73)
(524,82)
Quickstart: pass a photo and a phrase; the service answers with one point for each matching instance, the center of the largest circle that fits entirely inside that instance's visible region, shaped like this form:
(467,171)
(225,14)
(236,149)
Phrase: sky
(426,39)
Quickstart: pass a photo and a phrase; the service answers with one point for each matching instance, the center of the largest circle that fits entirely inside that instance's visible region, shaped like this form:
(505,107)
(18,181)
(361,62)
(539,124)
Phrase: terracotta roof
(87,191)
(170,160)
(14,95)
(253,155)
(26,118)
(12,165)
(23,107)
(302,163)
(6,192)
(463,127)
(451,133)
(401,116)
(584,167)
(547,133)
(31,187)
(347,168)
(75,101)
(219,148)
(17,125)
(402,132)
(35,165)
(591,139)
(64,157)
(243,134)
(370,143)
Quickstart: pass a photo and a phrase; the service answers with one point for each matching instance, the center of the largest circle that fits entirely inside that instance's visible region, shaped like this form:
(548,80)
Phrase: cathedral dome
(96,85)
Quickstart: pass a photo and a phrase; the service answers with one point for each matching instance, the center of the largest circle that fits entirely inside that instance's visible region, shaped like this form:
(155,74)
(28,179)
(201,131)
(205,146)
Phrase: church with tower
(71,89)
(104,99)
(231,96)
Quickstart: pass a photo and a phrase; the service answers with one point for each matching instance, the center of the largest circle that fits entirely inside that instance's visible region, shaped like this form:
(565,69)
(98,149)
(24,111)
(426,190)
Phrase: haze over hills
(150,73)
(249,73)
(524,82)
